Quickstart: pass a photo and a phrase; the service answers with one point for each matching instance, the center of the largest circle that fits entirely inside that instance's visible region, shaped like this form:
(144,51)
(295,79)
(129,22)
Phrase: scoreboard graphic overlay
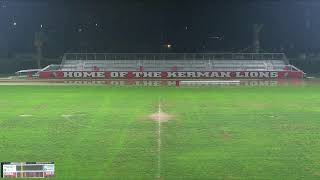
(27,169)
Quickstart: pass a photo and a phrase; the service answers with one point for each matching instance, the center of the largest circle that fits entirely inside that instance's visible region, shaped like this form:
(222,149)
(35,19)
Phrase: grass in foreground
(223,133)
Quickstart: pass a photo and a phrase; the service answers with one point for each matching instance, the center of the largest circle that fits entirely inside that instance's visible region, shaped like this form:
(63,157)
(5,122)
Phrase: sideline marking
(159,139)
(25,115)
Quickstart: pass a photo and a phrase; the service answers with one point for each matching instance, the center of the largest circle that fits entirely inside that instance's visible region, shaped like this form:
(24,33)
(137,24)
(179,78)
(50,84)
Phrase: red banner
(170,75)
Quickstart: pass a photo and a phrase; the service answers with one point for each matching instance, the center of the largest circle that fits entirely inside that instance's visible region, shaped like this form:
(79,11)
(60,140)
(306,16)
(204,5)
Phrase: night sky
(147,25)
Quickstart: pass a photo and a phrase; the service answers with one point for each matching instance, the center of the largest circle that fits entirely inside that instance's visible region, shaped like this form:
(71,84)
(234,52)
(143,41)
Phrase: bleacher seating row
(157,64)
(168,66)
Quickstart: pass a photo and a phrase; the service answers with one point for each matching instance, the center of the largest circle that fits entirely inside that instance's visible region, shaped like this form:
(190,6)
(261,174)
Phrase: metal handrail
(175,56)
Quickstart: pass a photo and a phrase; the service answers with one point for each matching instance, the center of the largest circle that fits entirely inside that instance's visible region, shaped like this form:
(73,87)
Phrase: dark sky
(145,25)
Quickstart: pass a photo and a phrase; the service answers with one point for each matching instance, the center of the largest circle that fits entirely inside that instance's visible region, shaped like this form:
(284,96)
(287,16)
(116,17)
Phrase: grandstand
(150,62)
(174,62)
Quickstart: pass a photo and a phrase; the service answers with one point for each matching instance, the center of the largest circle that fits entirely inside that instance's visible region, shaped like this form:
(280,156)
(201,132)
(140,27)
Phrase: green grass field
(98,132)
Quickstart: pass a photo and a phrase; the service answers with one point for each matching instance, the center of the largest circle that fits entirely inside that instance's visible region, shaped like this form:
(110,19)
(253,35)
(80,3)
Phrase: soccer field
(99,132)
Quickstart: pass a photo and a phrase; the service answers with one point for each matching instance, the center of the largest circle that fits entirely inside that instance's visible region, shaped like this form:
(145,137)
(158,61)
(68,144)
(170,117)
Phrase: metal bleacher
(174,62)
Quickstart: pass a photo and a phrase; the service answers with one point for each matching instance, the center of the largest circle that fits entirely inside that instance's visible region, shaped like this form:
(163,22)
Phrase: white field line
(66,115)
(25,115)
(159,139)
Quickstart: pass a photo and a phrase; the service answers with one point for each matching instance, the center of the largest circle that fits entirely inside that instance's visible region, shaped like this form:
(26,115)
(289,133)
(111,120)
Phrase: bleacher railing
(174,56)
(186,68)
